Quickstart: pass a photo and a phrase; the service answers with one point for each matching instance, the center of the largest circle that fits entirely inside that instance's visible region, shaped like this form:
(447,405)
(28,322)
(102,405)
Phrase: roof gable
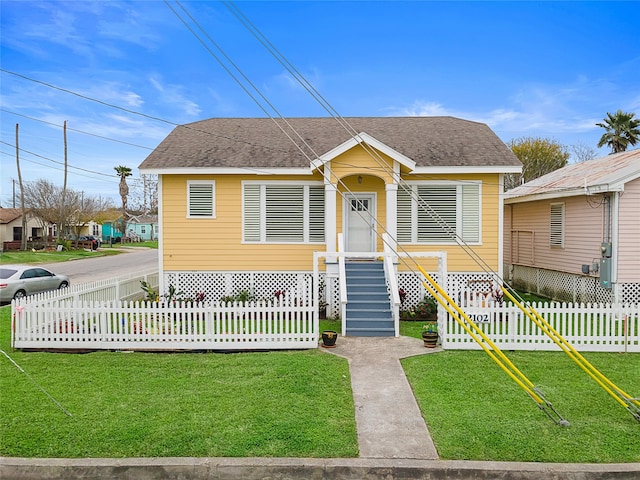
(371,142)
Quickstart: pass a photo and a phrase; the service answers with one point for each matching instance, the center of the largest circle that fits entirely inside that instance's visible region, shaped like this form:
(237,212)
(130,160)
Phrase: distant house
(11,226)
(142,227)
(242,207)
(574,234)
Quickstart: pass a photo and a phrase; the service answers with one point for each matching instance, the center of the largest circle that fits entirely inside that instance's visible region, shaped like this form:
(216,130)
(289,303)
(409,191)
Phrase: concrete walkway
(388,419)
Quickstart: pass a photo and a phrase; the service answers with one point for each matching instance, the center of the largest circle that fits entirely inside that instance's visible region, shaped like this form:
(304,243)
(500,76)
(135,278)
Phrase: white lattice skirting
(264,285)
(569,287)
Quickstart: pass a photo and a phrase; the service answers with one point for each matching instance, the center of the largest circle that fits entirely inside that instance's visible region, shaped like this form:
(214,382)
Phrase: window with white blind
(201,199)
(283,213)
(437,213)
(556,225)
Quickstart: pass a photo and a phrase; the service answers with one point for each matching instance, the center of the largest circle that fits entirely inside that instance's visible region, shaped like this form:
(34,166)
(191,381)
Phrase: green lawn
(147,244)
(476,412)
(268,404)
(299,404)
(39,257)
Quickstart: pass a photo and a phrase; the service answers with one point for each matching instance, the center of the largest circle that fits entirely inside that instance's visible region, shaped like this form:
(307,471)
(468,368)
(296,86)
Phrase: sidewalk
(388,419)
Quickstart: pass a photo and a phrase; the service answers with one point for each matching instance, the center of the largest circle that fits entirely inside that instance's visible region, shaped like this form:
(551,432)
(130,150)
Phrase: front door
(360,222)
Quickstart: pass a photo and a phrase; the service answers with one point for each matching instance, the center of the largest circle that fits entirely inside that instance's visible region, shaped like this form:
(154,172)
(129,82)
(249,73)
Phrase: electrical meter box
(605,265)
(605,272)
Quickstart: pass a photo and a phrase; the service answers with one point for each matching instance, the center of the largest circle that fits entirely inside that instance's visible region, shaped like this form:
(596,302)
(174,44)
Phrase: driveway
(90,269)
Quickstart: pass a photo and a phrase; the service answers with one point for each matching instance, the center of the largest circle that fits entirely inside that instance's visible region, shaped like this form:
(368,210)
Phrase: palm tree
(622,130)
(123,172)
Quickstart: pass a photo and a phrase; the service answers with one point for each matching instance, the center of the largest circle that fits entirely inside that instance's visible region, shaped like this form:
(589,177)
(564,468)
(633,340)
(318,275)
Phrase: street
(91,269)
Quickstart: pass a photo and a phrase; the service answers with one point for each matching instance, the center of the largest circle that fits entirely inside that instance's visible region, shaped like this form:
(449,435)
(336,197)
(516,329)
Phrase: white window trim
(213,199)
(263,219)
(459,216)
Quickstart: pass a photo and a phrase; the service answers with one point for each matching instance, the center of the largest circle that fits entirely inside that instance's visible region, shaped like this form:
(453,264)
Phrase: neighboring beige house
(11,226)
(245,202)
(574,234)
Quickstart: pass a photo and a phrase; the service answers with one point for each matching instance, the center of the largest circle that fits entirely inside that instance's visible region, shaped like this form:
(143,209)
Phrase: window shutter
(316,214)
(405,210)
(437,201)
(556,227)
(200,199)
(252,213)
(471,213)
(284,211)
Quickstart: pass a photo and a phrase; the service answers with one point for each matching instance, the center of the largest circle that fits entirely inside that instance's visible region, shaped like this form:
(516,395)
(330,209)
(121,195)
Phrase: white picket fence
(588,327)
(102,315)
(89,325)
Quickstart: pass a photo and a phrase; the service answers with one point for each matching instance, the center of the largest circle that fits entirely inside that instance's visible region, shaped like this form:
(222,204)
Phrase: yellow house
(245,202)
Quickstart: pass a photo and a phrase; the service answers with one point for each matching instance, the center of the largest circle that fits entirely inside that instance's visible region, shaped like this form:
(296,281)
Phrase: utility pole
(24,217)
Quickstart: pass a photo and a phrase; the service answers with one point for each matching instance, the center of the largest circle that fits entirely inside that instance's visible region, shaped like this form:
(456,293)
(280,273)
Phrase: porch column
(330,228)
(392,214)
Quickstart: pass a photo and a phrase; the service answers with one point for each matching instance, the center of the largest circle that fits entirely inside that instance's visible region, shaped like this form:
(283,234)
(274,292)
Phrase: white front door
(360,222)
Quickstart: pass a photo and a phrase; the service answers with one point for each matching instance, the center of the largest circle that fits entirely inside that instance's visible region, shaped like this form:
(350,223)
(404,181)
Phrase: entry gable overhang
(359,139)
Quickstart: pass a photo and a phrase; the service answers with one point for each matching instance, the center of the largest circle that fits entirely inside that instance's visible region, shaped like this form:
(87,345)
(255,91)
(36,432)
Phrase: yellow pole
(475,327)
(564,345)
(485,348)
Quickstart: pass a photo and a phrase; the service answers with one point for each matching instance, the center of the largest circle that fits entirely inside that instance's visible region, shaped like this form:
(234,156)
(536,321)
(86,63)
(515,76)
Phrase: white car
(17,281)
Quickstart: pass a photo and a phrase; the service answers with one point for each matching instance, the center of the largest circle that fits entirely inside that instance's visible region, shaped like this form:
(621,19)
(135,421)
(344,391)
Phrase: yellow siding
(457,259)
(357,161)
(216,244)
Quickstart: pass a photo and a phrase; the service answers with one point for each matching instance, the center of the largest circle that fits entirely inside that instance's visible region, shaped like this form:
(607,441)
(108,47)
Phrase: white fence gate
(588,327)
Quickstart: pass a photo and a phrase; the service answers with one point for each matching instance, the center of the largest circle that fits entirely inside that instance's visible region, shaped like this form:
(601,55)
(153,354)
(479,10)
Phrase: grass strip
(265,404)
(475,412)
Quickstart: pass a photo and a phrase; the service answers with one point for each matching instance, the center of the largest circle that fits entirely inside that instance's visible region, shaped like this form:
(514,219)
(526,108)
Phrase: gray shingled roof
(598,175)
(258,142)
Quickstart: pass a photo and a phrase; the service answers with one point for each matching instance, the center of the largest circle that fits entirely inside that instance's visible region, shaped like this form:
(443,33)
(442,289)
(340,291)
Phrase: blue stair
(369,311)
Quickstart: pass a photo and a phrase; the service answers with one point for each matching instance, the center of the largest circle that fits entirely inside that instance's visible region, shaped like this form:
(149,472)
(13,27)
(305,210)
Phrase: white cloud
(174,97)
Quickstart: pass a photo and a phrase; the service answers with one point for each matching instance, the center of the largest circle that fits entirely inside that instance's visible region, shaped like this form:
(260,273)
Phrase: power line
(59,163)
(75,130)
(55,168)
(133,112)
(85,97)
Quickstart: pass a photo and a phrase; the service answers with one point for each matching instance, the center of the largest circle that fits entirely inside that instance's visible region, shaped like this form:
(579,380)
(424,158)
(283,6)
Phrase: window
(438,212)
(283,213)
(556,225)
(201,199)
(143,229)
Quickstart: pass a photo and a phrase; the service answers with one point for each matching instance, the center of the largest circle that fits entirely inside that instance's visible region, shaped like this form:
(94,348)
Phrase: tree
(583,152)
(47,204)
(143,196)
(539,156)
(622,130)
(123,172)
(70,213)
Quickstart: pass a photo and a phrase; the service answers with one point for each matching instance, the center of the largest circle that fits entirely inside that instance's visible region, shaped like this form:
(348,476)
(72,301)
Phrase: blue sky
(549,69)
